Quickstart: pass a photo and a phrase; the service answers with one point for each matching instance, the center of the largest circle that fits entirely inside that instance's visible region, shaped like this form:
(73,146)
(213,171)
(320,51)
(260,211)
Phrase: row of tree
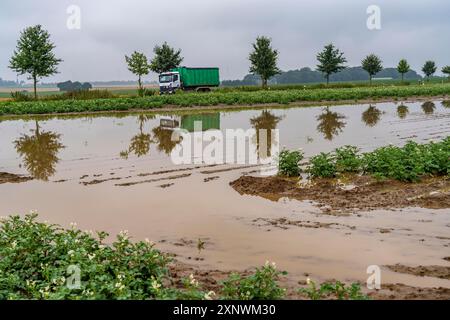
(34,56)
(308,75)
(69,86)
(331,60)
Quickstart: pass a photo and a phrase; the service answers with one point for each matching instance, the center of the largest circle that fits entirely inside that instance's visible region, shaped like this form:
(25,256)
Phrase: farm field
(5,93)
(231,98)
(224,159)
(79,161)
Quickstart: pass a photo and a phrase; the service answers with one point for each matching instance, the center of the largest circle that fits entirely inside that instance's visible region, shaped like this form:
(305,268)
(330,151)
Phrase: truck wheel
(204,89)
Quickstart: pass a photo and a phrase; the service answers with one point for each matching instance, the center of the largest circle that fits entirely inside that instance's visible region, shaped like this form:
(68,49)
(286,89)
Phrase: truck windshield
(165,78)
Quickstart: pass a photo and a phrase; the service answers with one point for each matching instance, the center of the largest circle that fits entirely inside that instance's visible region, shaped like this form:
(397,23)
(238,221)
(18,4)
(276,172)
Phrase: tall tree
(34,55)
(403,67)
(331,60)
(372,64)
(165,59)
(263,59)
(446,70)
(429,68)
(139,66)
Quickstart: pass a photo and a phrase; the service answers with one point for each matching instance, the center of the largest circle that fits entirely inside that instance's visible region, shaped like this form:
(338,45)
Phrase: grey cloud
(219,33)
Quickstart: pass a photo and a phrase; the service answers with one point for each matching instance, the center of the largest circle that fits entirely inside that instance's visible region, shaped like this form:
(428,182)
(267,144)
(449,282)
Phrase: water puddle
(114,172)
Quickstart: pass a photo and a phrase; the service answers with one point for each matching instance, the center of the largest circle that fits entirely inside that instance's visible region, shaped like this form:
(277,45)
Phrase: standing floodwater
(114,172)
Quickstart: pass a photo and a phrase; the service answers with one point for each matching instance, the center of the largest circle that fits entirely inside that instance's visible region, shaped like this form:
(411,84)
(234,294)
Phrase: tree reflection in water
(428,107)
(371,116)
(330,123)
(266,121)
(163,138)
(446,103)
(140,143)
(402,111)
(39,152)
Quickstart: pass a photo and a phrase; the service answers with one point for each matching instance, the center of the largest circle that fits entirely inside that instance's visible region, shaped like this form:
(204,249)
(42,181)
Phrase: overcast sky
(220,32)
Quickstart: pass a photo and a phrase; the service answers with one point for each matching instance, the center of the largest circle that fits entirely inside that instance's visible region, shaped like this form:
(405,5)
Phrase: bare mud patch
(166,185)
(441,272)
(228,169)
(98,181)
(366,193)
(174,170)
(211,179)
(6,177)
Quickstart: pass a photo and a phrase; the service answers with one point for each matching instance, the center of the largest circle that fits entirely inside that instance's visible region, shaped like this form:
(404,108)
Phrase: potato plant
(45,261)
(289,163)
(408,163)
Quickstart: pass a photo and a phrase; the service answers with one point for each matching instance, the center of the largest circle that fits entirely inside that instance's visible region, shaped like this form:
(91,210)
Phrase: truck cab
(169,82)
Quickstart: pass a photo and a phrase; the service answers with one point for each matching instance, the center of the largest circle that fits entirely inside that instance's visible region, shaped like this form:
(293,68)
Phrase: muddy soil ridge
(364,193)
(442,272)
(6,177)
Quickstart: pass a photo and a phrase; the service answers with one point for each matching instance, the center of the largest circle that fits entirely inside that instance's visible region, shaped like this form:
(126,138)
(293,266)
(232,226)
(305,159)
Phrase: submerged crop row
(218,98)
(44,261)
(407,163)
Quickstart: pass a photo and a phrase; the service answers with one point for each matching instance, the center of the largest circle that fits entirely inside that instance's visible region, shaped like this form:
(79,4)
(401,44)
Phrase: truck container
(184,78)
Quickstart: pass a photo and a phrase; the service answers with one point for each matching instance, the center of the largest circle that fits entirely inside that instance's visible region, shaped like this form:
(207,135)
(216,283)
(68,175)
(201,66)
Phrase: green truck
(184,78)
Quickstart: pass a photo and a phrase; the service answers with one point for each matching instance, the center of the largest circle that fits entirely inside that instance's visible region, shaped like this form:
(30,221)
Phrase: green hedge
(217,98)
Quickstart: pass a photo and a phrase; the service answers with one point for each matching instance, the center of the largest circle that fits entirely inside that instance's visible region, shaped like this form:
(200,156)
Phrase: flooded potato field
(115,172)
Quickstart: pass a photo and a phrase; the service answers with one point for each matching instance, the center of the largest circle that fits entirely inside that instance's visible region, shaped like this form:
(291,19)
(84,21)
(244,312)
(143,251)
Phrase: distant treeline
(13,84)
(7,83)
(306,75)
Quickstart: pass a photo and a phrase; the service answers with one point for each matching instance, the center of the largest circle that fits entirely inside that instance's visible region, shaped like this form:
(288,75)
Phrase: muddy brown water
(114,172)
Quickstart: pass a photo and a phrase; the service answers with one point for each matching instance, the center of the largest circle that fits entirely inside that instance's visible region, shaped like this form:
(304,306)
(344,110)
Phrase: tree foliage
(166,58)
(429,68)
(263,59)
(139,66)
(331,60)
(34,55)
(403,67)
(70,86)
(446,70)
(372,64)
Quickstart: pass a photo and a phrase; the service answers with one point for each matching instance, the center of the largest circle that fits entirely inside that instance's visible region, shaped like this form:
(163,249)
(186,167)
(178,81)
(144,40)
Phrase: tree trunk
(37,128)
(34,85)
(328,79)
(264,83)
(403,76)
(370,80)
(140,86)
